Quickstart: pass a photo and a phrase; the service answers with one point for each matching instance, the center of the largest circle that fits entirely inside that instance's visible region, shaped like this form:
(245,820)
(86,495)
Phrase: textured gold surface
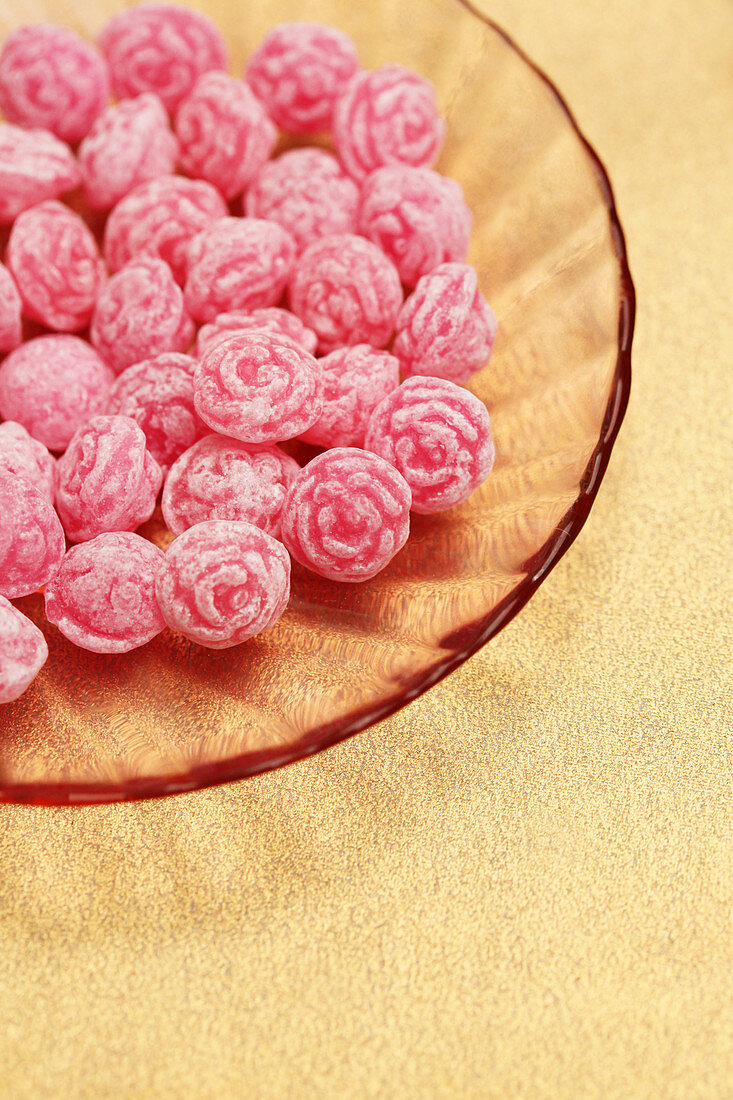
(520,886)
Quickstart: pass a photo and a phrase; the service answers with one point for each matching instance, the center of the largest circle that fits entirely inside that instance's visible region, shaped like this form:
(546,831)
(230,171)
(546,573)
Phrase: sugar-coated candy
(52,385)
(346,514)
(158,394)
(31,538)
(140,313)
(11,327)
(307,192)
(34,166)
(108,480)
(224,132)
(416,216)
(220,478)
(446,328)
(222,582)
(158,218)
(131,142)
(161,48)
(52,78)
(387,116)
(103,596)
(237,263)
(347,291)
(268,319)
(23,652)
(355,380)
(299,72)
(258,387)
(438,436)
(54,259)
(25,457)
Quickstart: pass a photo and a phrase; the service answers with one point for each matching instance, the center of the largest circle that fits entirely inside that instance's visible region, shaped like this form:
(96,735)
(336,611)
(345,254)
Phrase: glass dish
(551,257)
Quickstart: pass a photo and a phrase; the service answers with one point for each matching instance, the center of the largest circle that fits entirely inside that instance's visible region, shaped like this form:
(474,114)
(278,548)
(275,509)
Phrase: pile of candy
(213,304)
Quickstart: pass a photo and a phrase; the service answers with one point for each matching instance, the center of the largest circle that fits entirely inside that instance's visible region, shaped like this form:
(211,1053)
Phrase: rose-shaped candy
(50,77)
(159,218)
(223,582)
(258,387)
(103,596)
(34,166)
(446,328)
(24,456)
(221,478)
(161,48)
(347,291)
(108,480)
(346,514)
(31,538)
(354,382)
(387,116)
(438,436)
(23,652)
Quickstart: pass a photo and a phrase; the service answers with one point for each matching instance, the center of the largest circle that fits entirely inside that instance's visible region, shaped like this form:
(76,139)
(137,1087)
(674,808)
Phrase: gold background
(521,885)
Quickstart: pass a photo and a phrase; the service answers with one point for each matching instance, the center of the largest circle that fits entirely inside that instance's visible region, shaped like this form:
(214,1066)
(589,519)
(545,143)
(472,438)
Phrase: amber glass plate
(550,253)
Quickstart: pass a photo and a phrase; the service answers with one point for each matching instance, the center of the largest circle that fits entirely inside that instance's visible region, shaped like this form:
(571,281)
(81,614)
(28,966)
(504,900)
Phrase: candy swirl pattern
(108,480)
(56,265)
(161,48)
(387,116)
(224,133)
(346,515)
(31,538)
(258,387)
(23,652)
(103,596)
(219,478)
(158,218)
(34,166)
(222,582)
(24,456)
(438,436)
(51,78)
(280,322)
(347,291)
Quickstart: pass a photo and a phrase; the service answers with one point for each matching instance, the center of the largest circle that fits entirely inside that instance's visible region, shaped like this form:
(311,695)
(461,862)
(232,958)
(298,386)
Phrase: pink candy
(11,329)
(52,385)
(280,322)
(387,116)
(354,381)
(308,193)
(161,48)
(108,480)
(438,436)
(417,217)
(103,596)
(139,314)
(223,582)
(258,387)
(446,328)
(34,166)
(23,652)
(158,395)
(237,263)
(31,538)
(25,457)
(56,265)
(53,79)
(224,133)
(159,218)
(128,144)
(300,71)
(221,478)
(346,515)
(347,291)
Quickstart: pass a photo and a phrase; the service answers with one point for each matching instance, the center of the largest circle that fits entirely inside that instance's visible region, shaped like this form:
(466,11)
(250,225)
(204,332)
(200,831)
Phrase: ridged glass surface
(550,255)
